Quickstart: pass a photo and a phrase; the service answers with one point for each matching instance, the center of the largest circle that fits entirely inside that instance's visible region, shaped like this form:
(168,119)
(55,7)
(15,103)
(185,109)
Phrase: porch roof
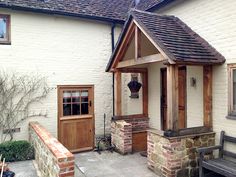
(178,41)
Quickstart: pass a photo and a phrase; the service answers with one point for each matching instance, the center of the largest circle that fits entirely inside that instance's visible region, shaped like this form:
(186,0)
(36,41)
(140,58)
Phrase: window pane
(3,27)
(67,97)
(84,96)
(76,96)
(75,109)
(234,89)
(66,109)
(84,108)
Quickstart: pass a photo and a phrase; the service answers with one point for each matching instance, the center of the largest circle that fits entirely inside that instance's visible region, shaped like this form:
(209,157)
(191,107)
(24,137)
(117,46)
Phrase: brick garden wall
(121,132)
(176,157)
(138,123)
(52,158)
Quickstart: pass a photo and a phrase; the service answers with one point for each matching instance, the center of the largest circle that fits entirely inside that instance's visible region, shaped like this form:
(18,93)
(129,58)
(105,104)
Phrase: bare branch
(18,94)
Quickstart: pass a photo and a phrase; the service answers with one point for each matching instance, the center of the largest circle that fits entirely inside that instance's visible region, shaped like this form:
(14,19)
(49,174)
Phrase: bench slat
(229,154)
(221,166)
(230,139)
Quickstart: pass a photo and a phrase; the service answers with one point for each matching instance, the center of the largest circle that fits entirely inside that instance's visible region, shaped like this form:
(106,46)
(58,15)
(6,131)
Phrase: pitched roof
(147,4)
(107,10)
(178,41)
(104,9)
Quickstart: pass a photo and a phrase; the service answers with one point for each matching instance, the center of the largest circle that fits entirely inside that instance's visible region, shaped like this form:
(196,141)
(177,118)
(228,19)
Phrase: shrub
(17,151)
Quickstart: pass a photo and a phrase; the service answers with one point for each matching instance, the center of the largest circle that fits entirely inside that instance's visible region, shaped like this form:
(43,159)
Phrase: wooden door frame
(161,91)
(59,87)
(186,92)
(161,95)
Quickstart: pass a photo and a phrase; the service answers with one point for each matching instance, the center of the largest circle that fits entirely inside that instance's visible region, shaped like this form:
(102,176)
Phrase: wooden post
(207,95)
(118,83)
(145,92)
(172,98)
(137,43)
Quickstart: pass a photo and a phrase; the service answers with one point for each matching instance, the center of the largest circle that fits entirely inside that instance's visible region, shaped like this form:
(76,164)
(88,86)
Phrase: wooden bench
(225,164)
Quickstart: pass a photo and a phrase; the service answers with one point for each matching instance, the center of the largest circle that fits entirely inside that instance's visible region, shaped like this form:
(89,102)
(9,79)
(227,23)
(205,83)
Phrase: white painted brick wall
(68,51)
(215,21)
(194,96)
(154,95)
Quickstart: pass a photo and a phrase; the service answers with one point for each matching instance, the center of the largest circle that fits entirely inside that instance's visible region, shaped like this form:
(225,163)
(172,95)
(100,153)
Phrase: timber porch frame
(173,53)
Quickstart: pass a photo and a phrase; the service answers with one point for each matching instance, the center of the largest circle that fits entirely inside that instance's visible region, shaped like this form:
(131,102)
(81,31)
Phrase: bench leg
(201,172)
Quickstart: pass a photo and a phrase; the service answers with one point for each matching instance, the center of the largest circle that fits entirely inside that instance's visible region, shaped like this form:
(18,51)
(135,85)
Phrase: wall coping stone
(161,133)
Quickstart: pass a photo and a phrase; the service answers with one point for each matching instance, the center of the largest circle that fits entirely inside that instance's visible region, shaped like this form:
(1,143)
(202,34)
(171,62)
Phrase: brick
(51,156)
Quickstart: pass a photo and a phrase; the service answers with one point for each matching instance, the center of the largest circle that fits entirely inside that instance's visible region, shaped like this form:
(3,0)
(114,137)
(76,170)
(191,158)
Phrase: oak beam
(124,45)
(207,95)
(137,43)
(118,111)
(172,98)
(132,70)
(140,61)
(145,92)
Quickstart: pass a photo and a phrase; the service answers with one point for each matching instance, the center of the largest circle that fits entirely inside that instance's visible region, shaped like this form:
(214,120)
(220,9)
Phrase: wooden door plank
(76,132)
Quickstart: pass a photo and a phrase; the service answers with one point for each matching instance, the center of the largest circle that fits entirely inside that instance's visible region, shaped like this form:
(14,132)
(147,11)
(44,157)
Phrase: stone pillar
(176,157)
(121,136)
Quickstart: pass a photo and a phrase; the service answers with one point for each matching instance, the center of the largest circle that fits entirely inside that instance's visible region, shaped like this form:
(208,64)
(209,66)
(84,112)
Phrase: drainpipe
(113,76)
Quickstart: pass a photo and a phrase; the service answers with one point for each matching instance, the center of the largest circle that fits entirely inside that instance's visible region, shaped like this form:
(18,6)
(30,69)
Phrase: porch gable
(174,40)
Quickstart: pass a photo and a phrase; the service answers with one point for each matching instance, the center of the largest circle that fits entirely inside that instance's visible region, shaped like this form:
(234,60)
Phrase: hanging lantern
(134,86)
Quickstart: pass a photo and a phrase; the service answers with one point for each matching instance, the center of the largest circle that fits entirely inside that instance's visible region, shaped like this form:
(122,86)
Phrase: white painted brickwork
(215,21)
(68,52)
(154,95)
(194,96)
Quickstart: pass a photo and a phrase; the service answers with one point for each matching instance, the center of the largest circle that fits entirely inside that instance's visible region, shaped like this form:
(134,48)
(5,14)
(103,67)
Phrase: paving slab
(23,168)
(107,164)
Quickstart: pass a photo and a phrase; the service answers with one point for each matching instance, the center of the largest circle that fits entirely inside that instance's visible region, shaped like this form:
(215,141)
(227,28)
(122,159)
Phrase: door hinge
(90,103)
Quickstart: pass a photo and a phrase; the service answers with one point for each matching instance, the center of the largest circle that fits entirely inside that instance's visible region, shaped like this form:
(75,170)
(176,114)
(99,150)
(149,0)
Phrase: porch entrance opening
(76,117)
(182,97)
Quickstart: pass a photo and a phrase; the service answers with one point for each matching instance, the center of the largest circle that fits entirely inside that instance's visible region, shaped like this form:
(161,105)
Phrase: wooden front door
(76,117)
(182,98)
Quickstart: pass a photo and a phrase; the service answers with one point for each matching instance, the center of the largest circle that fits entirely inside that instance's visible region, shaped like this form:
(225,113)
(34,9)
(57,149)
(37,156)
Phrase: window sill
(5,43)
(232,117)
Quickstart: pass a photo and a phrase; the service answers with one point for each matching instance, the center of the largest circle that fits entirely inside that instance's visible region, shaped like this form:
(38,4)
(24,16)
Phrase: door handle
(90,103)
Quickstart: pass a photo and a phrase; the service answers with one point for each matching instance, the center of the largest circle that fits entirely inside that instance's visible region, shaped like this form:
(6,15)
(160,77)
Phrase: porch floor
(107,164)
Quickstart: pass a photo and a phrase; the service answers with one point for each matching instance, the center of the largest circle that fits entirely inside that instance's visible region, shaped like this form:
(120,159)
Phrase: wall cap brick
(57,149)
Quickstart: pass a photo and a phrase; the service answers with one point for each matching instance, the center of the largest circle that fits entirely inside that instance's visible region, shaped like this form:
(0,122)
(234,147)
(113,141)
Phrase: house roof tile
(110,10)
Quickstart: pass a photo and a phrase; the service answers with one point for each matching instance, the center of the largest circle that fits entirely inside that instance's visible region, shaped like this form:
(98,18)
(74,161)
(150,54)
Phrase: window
(232,89)
(4,29)
(75,102)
